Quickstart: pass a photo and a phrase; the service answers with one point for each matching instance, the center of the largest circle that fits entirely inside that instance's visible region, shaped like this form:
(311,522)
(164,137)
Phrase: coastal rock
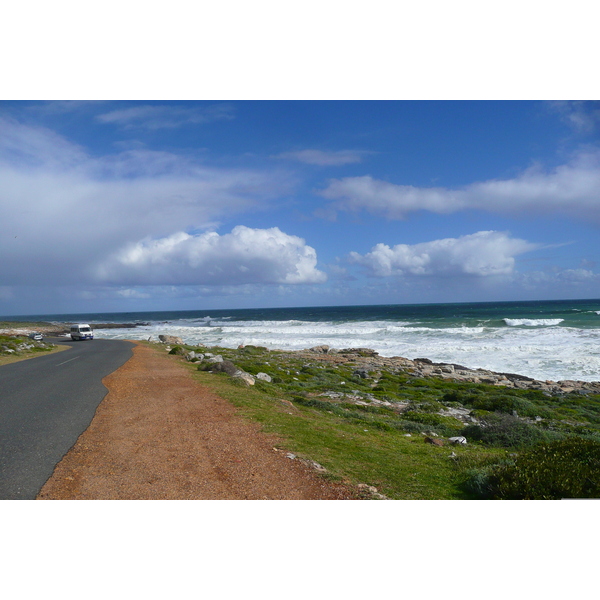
(223,366)
(359,351)
(215,359)
(245,377)
(324,349)
(362,373)
(226,366)
(264,377)
(368,488)
(371,491)
(458,440)
(170,339)
(434,441)
(178,350)
(313,464)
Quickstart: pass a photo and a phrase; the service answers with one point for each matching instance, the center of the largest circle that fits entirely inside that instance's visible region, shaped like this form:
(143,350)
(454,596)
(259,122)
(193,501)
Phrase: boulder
(245,377)
(226,366)
(178,350)
(215,359)
(223,366)
(434,441)
(264,377)
(324,349)
(170,339)
(362,373)
(359,351)
(458,440)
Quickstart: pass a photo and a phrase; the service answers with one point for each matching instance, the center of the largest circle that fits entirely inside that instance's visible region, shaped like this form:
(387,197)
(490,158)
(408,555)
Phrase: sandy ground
(158,434)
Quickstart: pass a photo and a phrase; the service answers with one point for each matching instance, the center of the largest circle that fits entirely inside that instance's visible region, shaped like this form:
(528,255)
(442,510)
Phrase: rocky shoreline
(366,360)
(423,367)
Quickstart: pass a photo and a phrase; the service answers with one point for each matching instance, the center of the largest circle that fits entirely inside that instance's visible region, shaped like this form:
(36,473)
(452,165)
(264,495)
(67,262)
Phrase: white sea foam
(532,322)
(543,351)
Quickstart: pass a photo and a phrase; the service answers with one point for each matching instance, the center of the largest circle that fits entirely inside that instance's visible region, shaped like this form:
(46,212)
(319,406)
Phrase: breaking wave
(526,346)
(532,322)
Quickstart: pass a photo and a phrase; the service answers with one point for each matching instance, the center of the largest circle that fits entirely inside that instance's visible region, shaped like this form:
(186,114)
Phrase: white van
(82,331)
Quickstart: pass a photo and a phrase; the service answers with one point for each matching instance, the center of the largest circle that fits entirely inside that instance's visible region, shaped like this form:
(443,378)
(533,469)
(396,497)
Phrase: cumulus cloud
(166,116)
(572,189)
(62,209)
(323,159)
(246,255)
(481,254)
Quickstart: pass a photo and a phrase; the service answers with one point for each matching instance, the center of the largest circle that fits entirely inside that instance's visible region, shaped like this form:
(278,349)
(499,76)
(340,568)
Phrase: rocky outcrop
(367,361)
(170,339)
(245,377)
(223,366)
(226,366)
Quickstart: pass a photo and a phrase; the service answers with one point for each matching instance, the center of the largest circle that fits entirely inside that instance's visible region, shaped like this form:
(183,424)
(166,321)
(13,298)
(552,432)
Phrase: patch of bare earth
(158,434)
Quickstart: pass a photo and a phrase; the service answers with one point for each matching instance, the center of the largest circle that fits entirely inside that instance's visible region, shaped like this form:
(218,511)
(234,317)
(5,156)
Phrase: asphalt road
(46,403)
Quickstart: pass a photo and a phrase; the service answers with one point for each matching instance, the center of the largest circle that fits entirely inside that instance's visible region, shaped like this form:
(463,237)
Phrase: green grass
(400,467)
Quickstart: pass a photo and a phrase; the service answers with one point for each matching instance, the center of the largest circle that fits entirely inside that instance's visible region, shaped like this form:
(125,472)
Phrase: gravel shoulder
(158,434)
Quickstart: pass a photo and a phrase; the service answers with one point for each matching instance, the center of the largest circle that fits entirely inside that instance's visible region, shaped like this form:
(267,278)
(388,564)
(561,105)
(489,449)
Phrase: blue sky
(166,205)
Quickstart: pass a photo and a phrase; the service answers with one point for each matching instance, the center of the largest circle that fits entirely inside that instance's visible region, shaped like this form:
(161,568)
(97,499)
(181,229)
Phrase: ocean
(541,339)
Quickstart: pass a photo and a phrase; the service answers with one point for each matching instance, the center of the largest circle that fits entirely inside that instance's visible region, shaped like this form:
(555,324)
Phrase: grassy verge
(387,428)
(369,444)
(399,466)
(10,351)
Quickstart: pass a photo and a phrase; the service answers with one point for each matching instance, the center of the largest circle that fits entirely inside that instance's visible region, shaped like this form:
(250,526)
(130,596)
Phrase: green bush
(465,397)
(431,419)
(505,431)
(410,426)
(432,406)
(506,404)
(478,483)
(568,468)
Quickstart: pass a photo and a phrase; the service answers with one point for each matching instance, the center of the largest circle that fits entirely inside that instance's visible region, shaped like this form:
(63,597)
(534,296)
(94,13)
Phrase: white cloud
(129,293)
(165,116)
(62,209)
(582,115)
(578,276)
(572,189)
(482,254)
(323,159)
(244,256)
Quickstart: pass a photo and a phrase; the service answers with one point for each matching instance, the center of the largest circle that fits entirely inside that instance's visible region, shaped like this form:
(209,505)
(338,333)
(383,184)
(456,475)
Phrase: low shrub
(431,419)
(431,406)
(506,404)
(505,431)
(568,468)
(478,483)
(410,426)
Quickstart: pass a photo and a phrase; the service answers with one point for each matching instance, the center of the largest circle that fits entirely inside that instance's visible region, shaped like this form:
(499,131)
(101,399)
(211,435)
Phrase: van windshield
(84,329)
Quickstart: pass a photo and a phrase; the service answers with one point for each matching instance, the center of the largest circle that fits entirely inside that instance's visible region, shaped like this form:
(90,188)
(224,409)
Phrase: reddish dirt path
(158,434)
